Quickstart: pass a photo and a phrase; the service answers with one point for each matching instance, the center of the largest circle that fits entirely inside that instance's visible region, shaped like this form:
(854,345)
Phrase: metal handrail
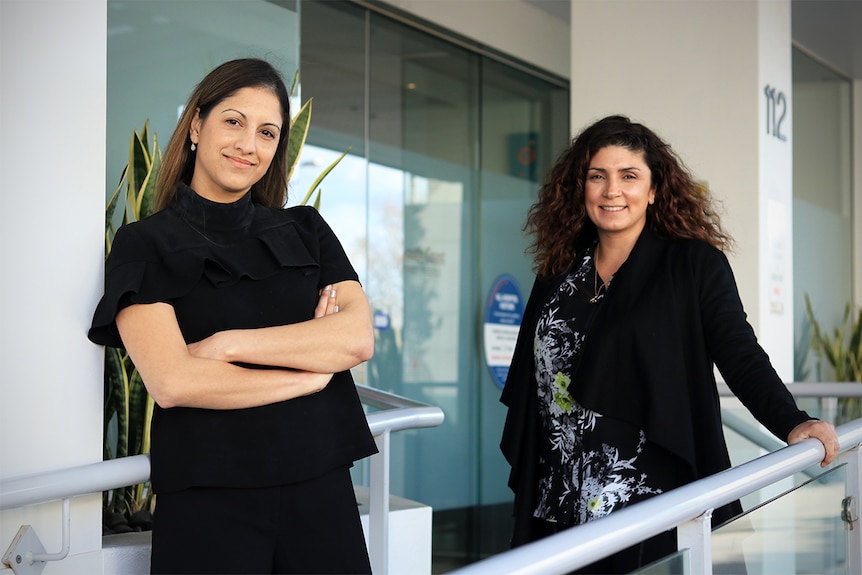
(397,413)
(692,503)
(64,483)
(400,412)
(812,389)
(112,474)
(757,434)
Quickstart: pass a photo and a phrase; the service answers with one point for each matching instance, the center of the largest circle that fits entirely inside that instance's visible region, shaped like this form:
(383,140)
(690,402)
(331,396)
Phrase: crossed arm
(202,374)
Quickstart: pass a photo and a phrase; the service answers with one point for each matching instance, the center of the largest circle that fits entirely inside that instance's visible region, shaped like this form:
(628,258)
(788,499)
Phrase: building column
(52,177)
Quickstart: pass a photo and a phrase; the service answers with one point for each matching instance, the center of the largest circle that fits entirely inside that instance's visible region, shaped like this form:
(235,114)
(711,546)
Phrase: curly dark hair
(683,208)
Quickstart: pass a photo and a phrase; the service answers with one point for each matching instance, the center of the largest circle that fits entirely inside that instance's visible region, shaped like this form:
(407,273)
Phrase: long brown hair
(178,161)
(683,208)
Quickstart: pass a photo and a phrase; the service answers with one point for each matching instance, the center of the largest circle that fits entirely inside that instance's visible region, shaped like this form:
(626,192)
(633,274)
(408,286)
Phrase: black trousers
(305,528)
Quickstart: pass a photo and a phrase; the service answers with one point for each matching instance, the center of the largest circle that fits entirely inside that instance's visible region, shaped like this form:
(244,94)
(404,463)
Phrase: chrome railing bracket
(26,555)
(20,555)
(849,513)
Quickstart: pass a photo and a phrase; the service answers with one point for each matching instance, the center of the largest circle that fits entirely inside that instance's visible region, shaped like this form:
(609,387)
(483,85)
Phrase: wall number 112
(776,111)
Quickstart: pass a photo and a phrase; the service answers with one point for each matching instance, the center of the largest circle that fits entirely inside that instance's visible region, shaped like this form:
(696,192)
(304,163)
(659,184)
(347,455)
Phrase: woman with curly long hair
(611,392)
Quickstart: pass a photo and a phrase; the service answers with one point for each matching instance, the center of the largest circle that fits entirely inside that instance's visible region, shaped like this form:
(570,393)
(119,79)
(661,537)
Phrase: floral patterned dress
(589,465)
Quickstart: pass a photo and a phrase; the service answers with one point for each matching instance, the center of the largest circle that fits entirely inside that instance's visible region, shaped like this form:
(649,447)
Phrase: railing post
(696,536)
(852,493)
(378,504)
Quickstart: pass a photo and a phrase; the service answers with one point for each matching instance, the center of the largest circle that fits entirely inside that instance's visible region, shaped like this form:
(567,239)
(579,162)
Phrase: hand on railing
(822,430)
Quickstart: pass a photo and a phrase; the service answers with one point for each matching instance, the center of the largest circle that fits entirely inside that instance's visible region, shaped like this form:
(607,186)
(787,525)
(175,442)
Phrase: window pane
(822,206)
(423,130)
(438,227)
(333,74)
(524,126)
(797,531)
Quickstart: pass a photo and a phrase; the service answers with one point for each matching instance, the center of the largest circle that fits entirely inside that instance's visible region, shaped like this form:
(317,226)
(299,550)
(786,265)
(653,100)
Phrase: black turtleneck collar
(213,219)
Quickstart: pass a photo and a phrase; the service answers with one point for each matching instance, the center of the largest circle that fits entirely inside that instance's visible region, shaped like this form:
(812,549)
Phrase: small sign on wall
(523,155)
(505,309)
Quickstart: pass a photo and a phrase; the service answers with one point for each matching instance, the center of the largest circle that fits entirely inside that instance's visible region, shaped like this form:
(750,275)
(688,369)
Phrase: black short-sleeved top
(235,266)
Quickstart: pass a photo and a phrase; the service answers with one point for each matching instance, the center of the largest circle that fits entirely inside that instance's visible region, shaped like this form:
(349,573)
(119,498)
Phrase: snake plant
(842,351)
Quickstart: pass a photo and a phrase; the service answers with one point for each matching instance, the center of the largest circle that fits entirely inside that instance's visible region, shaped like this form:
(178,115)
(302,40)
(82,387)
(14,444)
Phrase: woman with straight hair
(243,319)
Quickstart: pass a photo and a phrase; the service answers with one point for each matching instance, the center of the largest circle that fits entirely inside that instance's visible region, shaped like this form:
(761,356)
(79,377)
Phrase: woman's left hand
(821,430)
(327,303)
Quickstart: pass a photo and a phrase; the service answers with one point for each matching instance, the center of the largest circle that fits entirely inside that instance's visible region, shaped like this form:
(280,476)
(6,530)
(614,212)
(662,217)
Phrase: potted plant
(842,351)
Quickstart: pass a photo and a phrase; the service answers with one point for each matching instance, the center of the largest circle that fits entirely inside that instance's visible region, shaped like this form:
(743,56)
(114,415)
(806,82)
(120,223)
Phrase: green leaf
(294,84)
(137,412)
(114,199)
(115,397)
(322,175)
(148,422)
(110,390)
(296,138)
(139,169)
(147,193)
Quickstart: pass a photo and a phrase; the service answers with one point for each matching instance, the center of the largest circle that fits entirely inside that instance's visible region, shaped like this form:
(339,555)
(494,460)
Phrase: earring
(194,146)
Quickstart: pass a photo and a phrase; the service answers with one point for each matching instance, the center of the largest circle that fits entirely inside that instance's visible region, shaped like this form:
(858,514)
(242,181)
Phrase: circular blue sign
(505,309)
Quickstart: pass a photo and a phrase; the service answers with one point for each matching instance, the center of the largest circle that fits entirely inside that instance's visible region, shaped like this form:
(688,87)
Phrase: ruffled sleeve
(323,244)
(133,275)
(166,256)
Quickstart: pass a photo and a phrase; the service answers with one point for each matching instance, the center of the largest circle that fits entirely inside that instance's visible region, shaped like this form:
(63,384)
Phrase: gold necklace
(597,289)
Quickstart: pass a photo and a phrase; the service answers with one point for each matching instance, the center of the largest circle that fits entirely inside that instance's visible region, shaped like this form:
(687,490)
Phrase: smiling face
(617,192)
(235,143)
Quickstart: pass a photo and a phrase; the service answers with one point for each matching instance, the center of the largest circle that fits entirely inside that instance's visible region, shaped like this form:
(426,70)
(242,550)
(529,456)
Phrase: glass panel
(676,564)
(423,133)
(333,74)
(797,530)
(430,232)
(524,127)
(822,210)
(158,50)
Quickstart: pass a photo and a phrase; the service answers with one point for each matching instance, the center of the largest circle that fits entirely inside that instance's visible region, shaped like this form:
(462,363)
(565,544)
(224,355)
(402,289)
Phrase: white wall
(775,184)
(509,26)
(52,163)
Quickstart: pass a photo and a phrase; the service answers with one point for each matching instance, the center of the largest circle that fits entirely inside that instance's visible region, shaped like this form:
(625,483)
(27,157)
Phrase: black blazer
(671,314)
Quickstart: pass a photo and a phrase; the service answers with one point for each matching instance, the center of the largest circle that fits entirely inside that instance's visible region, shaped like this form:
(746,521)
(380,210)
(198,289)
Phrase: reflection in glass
(798,531)
(822,208)
(676,564)
(452,146)
(158,50)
